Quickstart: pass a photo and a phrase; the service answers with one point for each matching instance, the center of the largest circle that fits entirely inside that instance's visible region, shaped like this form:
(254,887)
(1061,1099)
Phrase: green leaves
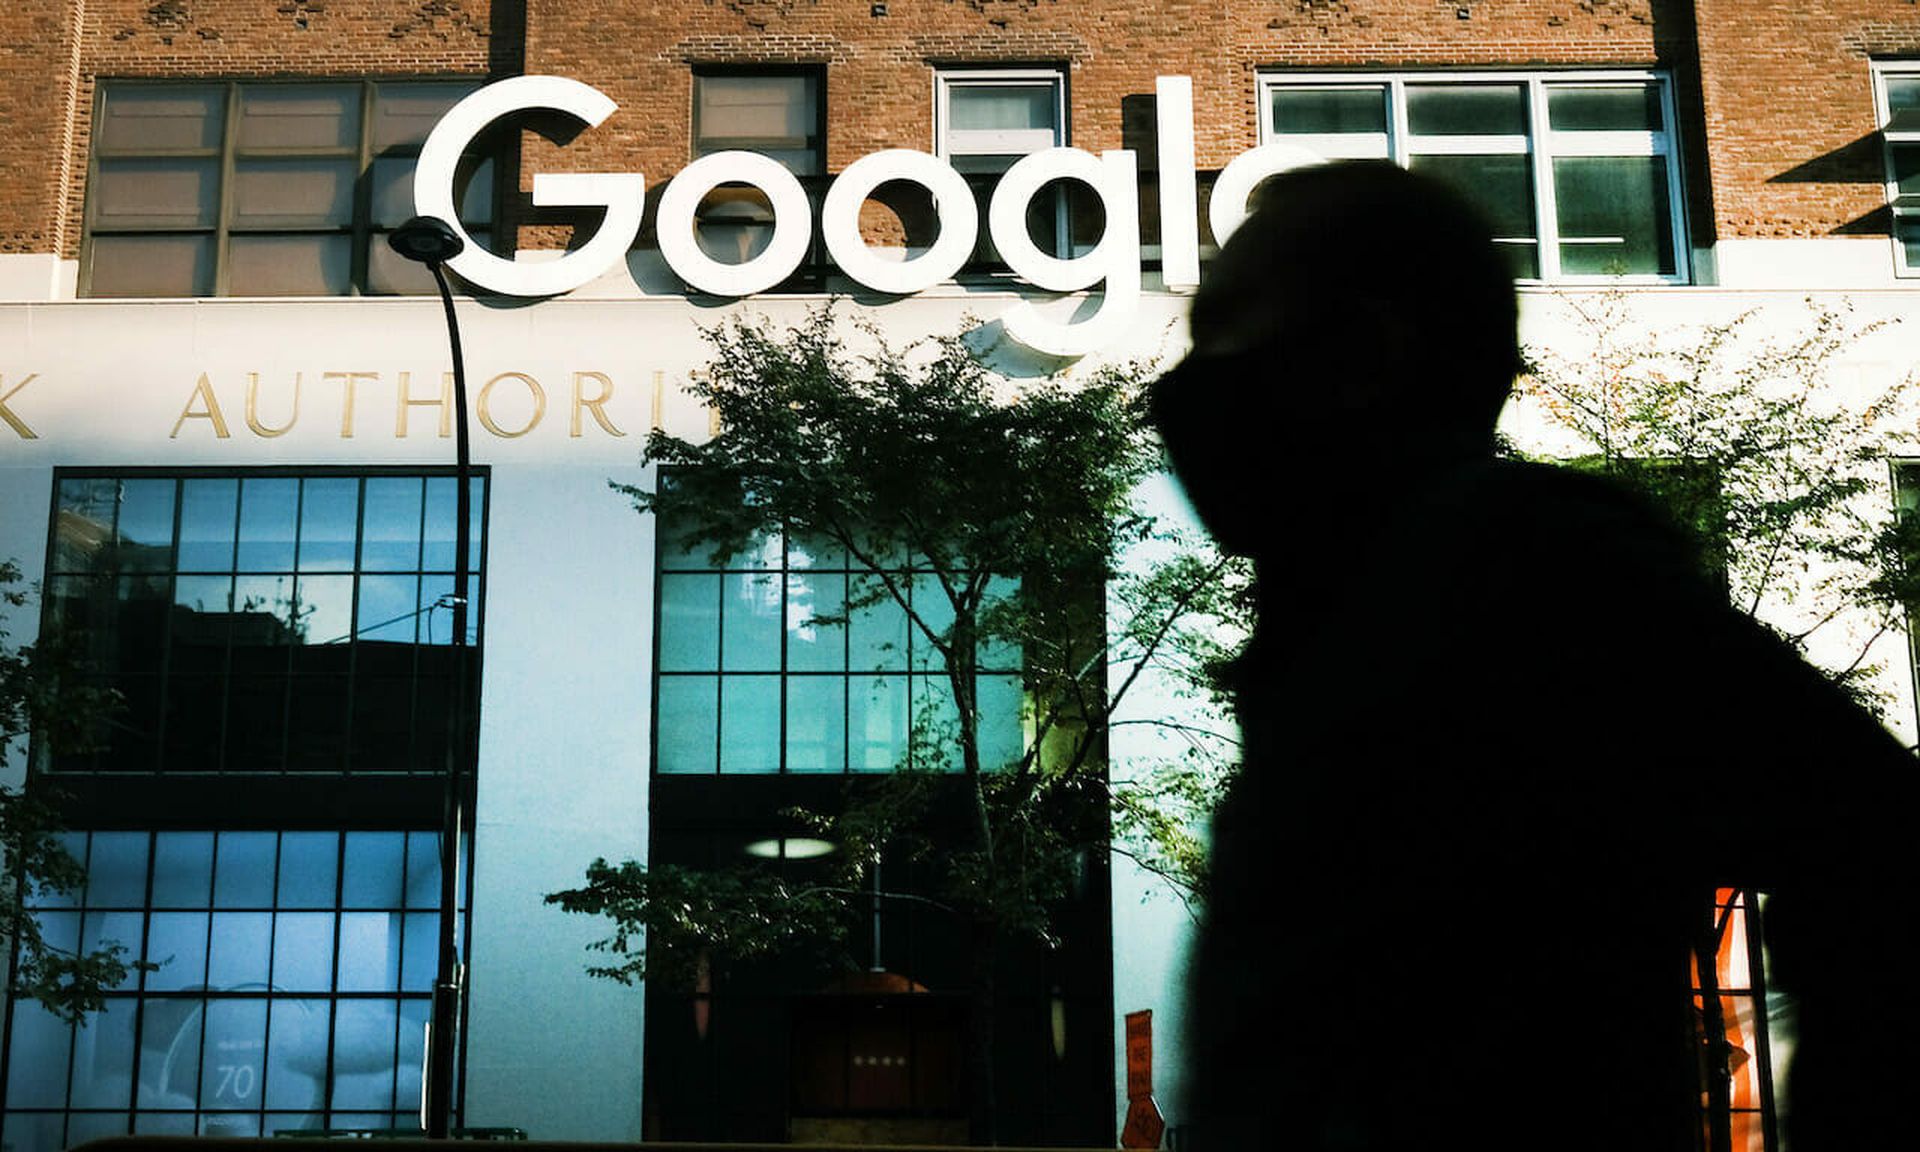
(43,693)
(1747,433)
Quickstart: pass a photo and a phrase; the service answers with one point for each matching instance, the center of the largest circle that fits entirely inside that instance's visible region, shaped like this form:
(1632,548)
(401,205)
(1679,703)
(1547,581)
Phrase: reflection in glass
(239,953)
(243,870)
(687,723)
(1613,214)
(144,528)
(814,646)
(390,524)
(297,1054)
(1604,108)
(1501,186)
(207,511)
(182,869)
(374,871)
(751,623)
(816,724)
(170,1054)
(177,941)
(267,506)
(1002,730)
(303,951)
(307,861)
(364,1033)
(877,632)
(37,1058)
(369,952)
(1329,110)
(1466,109)
(233,1053)
(750,724)
(876,723)
(103,1059)
(328,515)
(117,870)
(689,623)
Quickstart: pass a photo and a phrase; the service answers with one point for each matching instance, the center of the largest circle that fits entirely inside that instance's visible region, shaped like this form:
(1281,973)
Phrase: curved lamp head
(426,240)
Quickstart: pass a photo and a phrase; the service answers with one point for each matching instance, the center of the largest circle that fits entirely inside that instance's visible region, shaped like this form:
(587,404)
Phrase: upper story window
(1577,172)
(1896,94)
(985,120)
(777,113)
(262,623)
(262,189)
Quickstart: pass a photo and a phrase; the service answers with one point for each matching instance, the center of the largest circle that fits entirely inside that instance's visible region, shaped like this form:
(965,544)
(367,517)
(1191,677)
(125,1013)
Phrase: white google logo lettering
(1113,263)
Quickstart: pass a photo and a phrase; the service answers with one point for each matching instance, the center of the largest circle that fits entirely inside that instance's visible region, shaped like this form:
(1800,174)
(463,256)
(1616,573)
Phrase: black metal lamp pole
(433,243)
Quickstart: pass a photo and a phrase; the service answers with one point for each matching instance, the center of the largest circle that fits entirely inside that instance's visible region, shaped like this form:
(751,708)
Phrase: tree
(42,694)
(1740,430)
(1012,504)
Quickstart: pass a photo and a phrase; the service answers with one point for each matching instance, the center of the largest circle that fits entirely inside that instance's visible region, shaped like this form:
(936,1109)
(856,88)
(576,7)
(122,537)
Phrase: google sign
(1113,264)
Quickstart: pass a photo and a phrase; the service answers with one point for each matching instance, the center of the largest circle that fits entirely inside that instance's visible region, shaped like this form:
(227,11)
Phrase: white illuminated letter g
(623,196)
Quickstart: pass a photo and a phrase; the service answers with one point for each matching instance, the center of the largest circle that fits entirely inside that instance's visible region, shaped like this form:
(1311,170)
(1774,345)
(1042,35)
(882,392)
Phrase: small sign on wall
(1144,1126)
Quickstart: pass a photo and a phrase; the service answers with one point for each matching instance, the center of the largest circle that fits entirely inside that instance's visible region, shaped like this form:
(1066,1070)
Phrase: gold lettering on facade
(352,380)
(14,422)
(539,404)
(209,410)
(253,408)
(581,400)
(444,402)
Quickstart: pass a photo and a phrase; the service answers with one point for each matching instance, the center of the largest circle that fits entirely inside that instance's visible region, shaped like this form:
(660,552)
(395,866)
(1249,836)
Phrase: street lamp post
(431,242)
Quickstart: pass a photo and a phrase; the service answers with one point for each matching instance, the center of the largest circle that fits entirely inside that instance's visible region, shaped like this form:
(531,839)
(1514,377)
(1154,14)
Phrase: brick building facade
(208,361)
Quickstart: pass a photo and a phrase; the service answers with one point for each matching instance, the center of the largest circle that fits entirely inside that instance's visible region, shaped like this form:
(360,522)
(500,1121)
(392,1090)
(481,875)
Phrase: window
(262,189)
(762,668)
(1578,173)
(263,623)
(1906,505)
(292,988)
(984,121)
(1896,94)
(1732,1013)
(780,114)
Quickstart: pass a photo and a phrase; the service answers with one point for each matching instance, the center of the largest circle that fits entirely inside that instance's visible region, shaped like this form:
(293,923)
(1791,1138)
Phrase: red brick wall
(199,38)
(879,68)
(1789,112)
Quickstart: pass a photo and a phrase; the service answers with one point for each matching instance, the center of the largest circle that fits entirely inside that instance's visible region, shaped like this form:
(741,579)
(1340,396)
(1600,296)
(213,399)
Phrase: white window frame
(1882,116)
(1399,145)
(949,142)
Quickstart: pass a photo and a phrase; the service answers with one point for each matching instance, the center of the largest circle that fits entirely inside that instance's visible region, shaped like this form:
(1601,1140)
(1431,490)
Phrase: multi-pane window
(1577,173)
(984,121)
(1897,100)
(777,113)
(263,623)
(291,988)
(263,189)
(763,666)
(1732,1012)
(1906,496)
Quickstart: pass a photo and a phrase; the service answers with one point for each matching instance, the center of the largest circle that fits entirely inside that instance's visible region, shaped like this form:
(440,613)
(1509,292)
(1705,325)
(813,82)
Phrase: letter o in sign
(953,209)
(791,223)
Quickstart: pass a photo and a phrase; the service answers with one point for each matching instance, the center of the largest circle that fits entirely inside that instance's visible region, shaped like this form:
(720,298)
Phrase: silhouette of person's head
(1361,318)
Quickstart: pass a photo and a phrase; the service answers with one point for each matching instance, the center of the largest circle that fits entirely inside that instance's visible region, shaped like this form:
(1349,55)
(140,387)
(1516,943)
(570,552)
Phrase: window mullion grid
(359,258)
(1399,139)
(223,215)
(1668,143)
(1546,228)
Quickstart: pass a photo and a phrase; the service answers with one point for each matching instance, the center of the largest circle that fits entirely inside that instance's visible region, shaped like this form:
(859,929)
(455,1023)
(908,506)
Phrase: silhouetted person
(1503,738)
